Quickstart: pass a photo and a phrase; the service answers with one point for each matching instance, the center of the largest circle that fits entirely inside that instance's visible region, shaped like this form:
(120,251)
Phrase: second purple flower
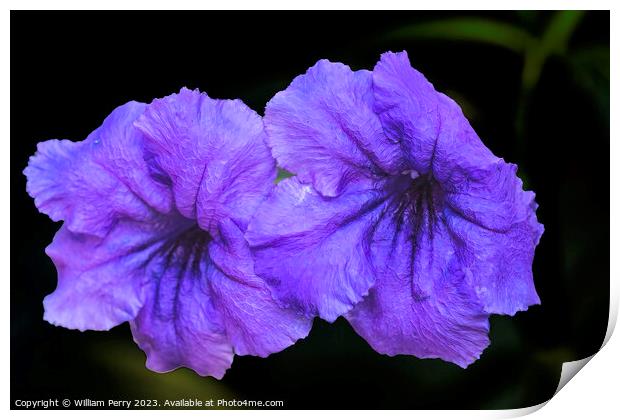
(398,217)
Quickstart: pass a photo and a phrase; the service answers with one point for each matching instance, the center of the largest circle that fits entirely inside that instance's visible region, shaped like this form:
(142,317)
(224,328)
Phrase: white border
(310,5)
(594,393)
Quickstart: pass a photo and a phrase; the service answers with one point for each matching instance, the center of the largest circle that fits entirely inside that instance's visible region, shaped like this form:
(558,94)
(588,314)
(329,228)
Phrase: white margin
(593,394)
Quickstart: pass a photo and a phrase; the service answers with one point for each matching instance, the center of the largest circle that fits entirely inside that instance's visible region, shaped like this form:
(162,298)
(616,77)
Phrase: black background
(71,69)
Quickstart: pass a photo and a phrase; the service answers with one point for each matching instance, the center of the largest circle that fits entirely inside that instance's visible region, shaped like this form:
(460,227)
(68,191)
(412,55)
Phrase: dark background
(540,100)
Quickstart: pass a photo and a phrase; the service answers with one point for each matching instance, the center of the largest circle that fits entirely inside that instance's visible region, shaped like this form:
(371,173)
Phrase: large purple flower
(398,218)
(155,203)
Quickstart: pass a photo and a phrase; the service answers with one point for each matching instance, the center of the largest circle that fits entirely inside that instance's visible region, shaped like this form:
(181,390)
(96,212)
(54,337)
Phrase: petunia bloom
(398,218)
(155,203)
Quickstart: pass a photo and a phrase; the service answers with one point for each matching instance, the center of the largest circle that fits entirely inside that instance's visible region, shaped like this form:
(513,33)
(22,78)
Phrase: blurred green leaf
(553,358)
(560,28)
(595,59)
(554,41)
(470,111)
(528,17)
(126,362)
(468,29)
(504,334)
(506,399)
(590,69)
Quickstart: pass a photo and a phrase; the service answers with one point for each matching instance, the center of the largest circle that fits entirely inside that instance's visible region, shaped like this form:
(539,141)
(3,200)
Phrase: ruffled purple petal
(92,184)
(255,323)
(180,323)
(421,303)
(314,250)
(323,129)
(407,106)
(476,191)
(213,154)
(205,304)
(499,263)
(98,286)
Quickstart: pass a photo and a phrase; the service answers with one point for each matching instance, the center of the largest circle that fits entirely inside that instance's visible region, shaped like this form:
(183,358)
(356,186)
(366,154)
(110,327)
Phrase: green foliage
(468,30)
(535,49)
(590,69)
(125,362)
(554,40)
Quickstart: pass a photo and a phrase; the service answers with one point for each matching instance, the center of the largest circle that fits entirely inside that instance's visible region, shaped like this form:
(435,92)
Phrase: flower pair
(398,218)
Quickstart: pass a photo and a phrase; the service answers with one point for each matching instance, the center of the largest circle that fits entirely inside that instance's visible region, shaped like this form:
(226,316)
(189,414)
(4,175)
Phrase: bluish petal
(155,275)
(421,303)
(407,106)
(101,280)
(91,184)
(213,153)
(479,192)
(255,323)
(430,127)
(314,250)
(478,185)
(204,304)
(323,129)
(180,325)
(499,263)
(491,217)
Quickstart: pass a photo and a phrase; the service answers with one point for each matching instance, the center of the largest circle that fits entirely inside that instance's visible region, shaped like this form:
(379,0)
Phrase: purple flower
(398,218)
(155,203)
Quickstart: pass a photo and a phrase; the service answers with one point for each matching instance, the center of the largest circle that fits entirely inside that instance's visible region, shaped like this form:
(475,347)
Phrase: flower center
(413,211)
(412,173)
(416,205)
(182,255)
(185,251)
